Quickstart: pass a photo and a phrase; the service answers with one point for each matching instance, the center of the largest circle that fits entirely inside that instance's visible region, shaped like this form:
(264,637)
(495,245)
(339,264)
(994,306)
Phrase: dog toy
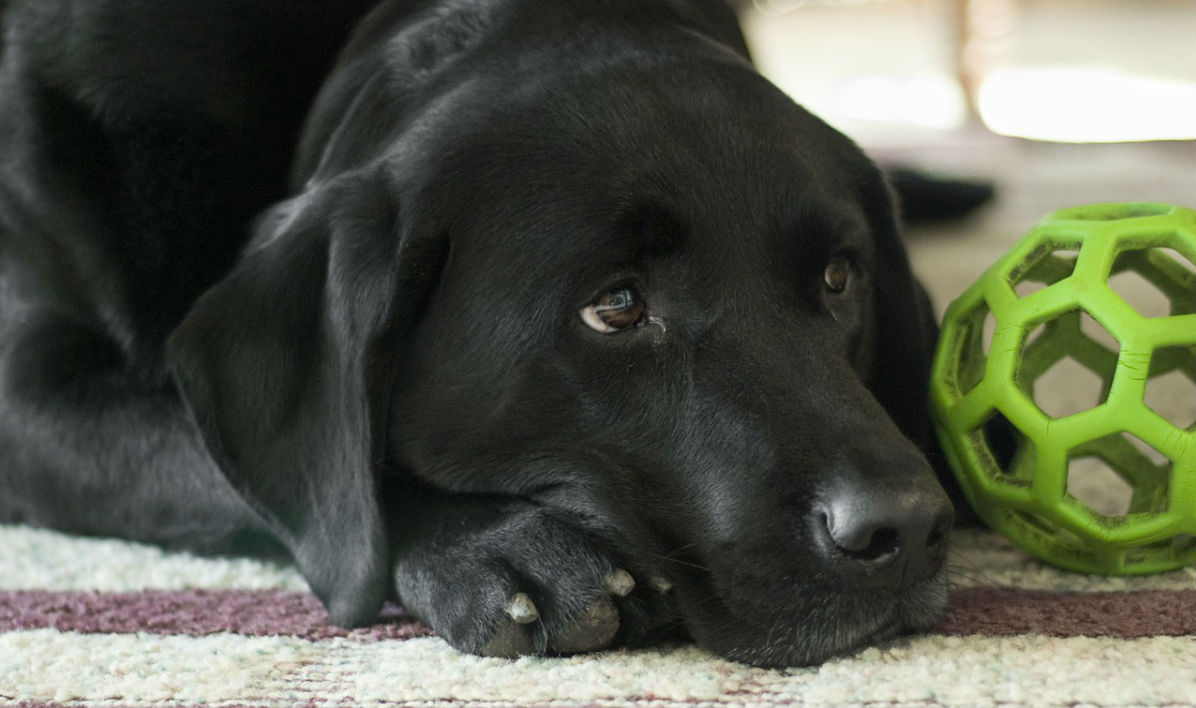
(1064,390)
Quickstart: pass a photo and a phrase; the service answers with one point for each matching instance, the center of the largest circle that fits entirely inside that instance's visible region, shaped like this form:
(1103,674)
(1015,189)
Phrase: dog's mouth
(814,626)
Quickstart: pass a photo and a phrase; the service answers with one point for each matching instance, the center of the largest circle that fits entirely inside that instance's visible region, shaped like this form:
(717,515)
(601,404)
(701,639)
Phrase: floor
(1034,179)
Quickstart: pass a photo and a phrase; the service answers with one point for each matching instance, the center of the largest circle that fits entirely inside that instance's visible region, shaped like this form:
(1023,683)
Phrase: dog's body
(556,288)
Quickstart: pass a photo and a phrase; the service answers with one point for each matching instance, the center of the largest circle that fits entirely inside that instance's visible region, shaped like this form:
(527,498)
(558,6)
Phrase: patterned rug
(90,622)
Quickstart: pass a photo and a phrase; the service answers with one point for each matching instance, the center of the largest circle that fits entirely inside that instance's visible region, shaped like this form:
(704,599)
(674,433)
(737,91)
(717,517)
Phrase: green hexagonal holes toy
(1064,389)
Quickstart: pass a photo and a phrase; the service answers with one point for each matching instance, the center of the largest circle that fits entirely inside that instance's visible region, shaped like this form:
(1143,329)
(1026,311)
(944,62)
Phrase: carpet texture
(94,622)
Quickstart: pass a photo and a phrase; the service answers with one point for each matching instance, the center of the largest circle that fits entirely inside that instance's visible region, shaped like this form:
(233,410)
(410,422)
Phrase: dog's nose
(887,534)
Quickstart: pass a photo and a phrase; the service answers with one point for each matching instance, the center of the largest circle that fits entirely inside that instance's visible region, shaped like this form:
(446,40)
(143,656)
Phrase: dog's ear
(286,366)
(905,330)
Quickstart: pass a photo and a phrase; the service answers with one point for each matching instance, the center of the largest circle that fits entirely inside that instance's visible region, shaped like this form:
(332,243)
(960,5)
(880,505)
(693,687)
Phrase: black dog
(569,331)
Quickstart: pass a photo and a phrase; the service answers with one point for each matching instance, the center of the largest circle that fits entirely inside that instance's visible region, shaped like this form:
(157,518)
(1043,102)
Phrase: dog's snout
(885,535)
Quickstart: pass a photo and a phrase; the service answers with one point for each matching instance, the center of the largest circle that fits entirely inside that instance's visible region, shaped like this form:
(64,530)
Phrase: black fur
(307,277)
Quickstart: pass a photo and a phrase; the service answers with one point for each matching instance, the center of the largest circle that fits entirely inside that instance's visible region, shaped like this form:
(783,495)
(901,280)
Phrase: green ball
(1064,390)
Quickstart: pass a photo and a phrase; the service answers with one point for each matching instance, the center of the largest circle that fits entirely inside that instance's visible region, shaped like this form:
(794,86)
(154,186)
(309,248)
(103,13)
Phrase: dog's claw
(521,609)
(509,641)
(619,582)
(659,584)
(595,629)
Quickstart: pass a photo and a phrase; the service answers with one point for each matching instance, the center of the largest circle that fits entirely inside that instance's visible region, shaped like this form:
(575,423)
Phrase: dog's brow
(647,229)
(828,228)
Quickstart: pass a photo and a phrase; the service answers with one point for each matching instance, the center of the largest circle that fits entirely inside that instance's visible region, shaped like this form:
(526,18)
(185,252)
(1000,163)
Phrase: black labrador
(550,319)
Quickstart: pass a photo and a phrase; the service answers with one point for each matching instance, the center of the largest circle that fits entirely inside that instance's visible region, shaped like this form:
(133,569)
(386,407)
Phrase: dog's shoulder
(148,134)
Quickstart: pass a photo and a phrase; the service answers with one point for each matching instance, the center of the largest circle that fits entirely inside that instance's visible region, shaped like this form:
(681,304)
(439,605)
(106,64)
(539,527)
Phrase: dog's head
(649,290)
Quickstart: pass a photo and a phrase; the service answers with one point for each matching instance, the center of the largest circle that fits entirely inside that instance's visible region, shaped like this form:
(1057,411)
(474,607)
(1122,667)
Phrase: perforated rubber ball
(1064,390)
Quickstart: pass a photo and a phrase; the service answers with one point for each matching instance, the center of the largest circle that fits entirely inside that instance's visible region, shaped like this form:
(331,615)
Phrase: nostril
(866,544)
(882,543)
(936,540)
(938,533)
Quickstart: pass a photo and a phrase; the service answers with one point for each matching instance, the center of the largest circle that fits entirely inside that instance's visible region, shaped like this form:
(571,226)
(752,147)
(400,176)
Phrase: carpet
(99,622)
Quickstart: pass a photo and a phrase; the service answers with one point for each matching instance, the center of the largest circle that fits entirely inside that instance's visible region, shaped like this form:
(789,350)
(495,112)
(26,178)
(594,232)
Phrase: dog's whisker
(970,576)
(678,561)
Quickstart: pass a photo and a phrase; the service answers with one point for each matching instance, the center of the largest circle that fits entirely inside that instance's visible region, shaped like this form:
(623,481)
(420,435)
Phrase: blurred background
(1057,102)
(1065,70)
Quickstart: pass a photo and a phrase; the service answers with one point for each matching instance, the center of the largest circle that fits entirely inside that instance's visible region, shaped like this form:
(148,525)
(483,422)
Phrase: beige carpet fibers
(86,622)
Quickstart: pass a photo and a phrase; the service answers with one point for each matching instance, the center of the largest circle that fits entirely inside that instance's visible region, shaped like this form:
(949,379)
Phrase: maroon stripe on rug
(1127,615)
(192,612)
(983,611)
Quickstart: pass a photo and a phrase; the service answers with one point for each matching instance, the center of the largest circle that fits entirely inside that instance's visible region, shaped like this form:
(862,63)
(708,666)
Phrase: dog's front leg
(500,576)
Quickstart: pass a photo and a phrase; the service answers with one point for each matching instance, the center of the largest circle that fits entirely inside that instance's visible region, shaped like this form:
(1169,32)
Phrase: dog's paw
(527,583)
(595,628)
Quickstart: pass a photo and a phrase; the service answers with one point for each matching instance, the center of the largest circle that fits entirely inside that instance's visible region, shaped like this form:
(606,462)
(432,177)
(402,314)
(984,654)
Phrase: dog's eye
(614,310)
(837,274)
